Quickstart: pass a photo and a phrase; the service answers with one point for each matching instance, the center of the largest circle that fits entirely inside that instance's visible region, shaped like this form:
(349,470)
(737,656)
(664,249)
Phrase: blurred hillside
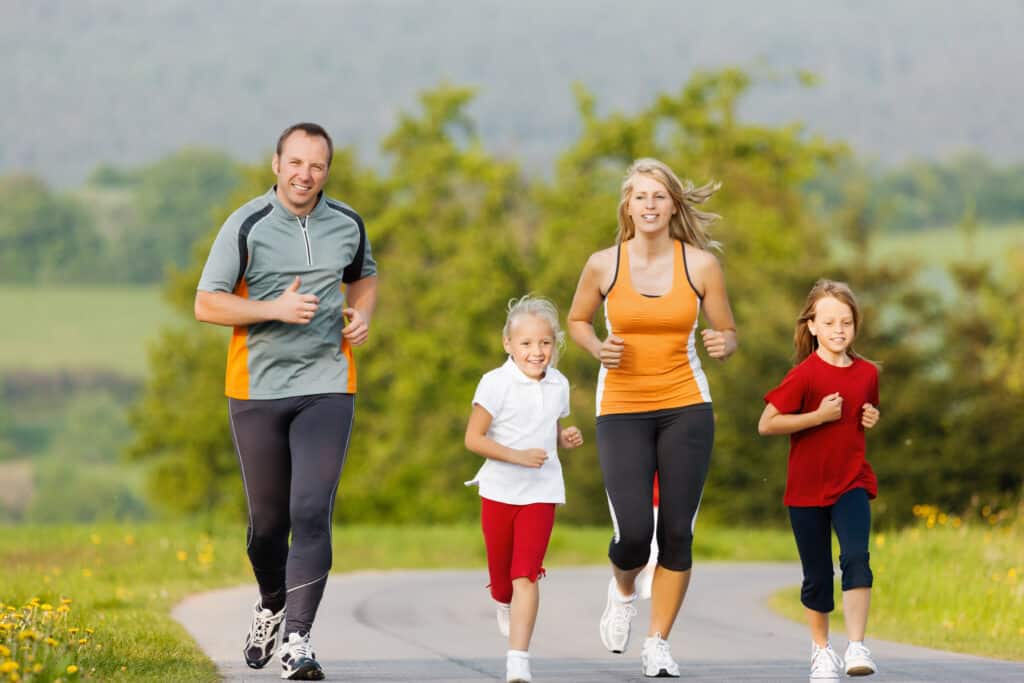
(108,81)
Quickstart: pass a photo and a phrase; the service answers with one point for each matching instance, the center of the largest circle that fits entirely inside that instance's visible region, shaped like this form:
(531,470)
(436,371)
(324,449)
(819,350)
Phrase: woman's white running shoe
(615,622)
(825,664)
(656,658)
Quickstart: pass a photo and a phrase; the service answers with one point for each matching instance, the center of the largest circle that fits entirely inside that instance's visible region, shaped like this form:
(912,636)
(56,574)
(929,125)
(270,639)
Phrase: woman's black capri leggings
(675,443)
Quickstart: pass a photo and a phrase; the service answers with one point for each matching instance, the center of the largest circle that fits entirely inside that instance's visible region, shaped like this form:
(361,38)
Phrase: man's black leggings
(291,452)
(676,443)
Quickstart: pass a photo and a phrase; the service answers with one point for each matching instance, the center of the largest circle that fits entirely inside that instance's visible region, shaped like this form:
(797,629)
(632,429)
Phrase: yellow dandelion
(182,555)
(880,540)
(4,650)
(1011,574)
(37,667)
(956,522)
(95,539)
(72,669)
(63,608)
(52,642)
(8,667)
(86,572)
(65,601)
(73,630)
(89,631)
(129,539)
(83,641)
(46,607)
(27,634)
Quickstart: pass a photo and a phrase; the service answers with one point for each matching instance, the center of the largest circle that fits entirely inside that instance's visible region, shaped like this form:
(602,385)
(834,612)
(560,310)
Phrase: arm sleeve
(223,265)
(788,397)
(873,390)
(489,395)
(565,400)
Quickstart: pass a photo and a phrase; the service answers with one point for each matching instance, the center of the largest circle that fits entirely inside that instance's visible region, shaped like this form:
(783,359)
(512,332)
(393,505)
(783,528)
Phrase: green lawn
(75,327)
(943,585)
(944,245)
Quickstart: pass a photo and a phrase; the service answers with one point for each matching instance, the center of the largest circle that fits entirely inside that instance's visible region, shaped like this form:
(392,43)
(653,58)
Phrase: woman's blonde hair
(804,342)
(543,309)
(688,224)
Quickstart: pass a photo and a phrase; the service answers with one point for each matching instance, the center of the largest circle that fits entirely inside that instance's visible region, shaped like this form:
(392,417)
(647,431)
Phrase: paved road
(378,627)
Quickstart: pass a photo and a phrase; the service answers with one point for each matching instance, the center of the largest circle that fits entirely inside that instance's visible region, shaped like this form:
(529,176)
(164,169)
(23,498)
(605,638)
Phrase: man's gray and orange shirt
(257,254)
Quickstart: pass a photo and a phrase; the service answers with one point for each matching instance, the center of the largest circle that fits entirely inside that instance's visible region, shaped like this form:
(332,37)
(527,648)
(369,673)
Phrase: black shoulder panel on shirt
(243,240)
(354,270)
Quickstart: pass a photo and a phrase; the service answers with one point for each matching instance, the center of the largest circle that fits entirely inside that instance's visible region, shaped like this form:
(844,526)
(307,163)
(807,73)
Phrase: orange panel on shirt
(236,380)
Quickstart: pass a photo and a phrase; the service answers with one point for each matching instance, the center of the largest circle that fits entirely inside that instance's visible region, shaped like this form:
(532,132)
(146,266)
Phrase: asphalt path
(377,627)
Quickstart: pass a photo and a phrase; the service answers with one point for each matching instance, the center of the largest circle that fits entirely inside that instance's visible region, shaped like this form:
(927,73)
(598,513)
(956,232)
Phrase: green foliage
(45,237)
(458,232)
(921,194)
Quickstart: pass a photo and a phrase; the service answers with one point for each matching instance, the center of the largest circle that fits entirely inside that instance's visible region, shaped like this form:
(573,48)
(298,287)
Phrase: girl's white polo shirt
(524,414)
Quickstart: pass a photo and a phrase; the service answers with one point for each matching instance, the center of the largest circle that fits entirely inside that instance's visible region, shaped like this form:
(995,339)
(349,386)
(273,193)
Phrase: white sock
(522,654)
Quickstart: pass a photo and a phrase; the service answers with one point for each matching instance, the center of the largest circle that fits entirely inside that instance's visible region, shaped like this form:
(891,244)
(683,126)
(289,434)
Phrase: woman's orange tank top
(660,367)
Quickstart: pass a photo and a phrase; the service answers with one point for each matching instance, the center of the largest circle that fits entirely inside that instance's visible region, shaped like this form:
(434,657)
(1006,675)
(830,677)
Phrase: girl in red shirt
(825,403)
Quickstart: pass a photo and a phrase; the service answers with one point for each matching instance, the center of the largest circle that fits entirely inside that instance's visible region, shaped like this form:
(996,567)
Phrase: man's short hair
(312,130)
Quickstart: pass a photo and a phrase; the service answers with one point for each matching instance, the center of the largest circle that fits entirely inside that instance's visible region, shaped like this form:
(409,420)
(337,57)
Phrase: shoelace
(822,661)
(621,618)
(859,651)
(263,626)
(661,650)
(301,649)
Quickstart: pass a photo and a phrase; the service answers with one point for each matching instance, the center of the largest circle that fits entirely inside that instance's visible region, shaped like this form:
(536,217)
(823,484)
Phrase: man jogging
(291,271)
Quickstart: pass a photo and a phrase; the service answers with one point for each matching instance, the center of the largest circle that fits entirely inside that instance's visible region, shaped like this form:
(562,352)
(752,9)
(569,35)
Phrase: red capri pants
(516,537)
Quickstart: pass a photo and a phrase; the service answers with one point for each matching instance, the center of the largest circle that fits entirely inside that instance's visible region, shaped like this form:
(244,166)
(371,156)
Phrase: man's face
(301,171)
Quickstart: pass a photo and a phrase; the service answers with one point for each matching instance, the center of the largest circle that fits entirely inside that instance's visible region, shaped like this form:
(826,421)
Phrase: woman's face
(650,205)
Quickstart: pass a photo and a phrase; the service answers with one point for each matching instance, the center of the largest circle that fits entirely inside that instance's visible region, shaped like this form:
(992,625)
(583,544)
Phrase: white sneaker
(264,636)
(298,661)
(645,581)
(858,660)
(503,612)
(517,667)
(825,664)
(656,658)
(618,613)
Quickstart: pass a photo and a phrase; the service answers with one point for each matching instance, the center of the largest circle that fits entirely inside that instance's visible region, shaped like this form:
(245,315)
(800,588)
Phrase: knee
(816,593)
(309,516)
(630,551)
(675,551)
(856,568)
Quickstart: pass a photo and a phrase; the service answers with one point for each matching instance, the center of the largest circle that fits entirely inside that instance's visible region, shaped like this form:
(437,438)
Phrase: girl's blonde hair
(541,308)
(803,341)
(688,224)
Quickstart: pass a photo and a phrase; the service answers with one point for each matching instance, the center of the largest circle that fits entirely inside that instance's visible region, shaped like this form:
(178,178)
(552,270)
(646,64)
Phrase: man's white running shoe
(656,658)
(858,660)
(298,661)
(264,636)
(618,613)
(825,664)
(503,612)
(517,667)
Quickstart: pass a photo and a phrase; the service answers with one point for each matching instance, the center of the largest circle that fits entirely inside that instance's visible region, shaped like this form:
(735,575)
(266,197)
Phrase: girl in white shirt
(514,425)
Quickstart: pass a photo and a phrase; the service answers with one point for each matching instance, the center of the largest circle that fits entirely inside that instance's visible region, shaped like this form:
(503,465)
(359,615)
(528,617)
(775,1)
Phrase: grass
(943,584)
(123,580)
(79,326)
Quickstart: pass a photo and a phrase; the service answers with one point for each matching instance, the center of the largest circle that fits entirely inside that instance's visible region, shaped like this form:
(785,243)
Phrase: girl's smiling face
(833,325)
(530,343)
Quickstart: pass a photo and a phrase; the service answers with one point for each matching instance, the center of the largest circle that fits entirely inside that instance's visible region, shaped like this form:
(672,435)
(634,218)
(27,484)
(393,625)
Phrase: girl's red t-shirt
(828,460)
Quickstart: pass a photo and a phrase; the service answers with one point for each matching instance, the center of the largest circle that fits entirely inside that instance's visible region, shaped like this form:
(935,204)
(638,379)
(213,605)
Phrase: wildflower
(63,608)
(72,669)
(73,630)
(65,601)
(27,634)
(4,650)
(52,642)
(83,641)
(182,555)
(880,540)
(129,539)
(86,572)
(8,667)
(89,631)
(46,607)
(95,538)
